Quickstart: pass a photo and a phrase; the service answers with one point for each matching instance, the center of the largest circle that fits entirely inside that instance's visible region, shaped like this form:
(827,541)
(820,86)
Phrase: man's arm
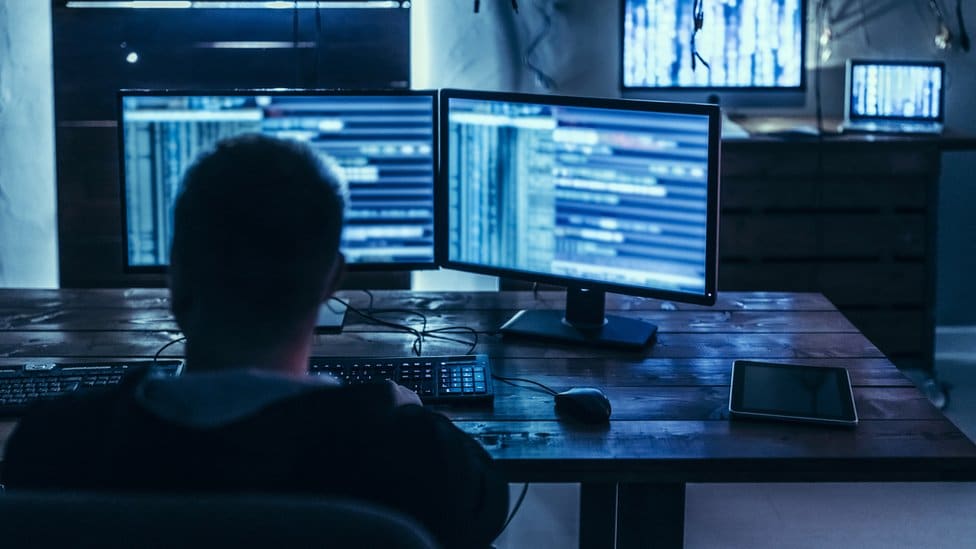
(463,497)
(53,444)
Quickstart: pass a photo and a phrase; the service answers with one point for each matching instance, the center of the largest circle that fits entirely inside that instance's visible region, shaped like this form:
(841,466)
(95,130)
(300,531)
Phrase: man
(255,251)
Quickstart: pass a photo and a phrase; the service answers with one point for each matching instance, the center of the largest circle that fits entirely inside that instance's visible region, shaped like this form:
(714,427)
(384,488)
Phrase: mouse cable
(516,507)
(510,380)
(166,346)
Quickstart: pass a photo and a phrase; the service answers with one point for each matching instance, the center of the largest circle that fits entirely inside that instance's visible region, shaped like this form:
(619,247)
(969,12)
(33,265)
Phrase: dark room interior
(583,212)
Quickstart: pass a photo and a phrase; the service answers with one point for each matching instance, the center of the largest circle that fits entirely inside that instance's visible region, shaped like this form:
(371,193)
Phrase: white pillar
(28,219)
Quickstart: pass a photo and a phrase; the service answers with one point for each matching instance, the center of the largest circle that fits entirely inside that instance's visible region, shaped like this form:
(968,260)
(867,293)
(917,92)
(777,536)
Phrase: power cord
(477,6)
(541,77)
(963,35)
(823,53)
(166,346)
(294,45)
(371,297)
(517,506)
(419,335)
(318,42)
(698,18)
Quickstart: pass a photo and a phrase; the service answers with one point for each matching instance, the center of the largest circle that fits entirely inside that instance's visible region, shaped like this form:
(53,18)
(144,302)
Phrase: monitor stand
(331,316)
(583,322)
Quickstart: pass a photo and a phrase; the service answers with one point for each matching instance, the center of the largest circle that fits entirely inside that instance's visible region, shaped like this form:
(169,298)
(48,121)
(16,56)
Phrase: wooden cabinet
(217,46)
(853,217)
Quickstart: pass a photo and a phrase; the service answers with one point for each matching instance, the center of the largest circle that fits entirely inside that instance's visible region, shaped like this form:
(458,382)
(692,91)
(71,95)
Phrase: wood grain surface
(670,402)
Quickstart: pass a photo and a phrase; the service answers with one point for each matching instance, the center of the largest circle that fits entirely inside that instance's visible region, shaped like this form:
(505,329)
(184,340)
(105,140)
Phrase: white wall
(28,225)
(455,47)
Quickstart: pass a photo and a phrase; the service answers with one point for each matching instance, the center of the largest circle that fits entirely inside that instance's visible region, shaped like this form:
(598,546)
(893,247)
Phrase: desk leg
(598,515)
(650,515)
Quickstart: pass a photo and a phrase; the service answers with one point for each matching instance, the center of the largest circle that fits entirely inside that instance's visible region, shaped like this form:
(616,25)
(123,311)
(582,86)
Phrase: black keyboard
(464,379)
(23,384)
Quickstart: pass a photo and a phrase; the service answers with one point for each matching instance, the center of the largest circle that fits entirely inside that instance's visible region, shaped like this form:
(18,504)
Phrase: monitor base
(619,332)
(332,315)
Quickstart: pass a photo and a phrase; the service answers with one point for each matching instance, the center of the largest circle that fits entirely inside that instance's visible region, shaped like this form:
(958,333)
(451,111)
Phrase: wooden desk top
(670,419)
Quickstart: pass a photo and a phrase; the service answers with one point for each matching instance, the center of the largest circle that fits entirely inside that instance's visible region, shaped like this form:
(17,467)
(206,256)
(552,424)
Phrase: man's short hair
(257,228)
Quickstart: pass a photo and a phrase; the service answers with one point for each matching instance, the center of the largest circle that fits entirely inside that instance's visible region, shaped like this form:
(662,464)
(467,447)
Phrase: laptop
(894,96)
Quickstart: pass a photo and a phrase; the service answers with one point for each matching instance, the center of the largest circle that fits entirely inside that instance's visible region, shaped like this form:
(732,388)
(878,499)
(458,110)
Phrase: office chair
(150,521)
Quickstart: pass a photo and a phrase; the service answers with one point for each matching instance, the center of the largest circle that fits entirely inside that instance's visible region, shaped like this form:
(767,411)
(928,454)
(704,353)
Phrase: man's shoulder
(212,401)
(73,410)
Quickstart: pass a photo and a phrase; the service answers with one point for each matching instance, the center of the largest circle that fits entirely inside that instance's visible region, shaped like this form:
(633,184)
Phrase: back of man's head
(255,241)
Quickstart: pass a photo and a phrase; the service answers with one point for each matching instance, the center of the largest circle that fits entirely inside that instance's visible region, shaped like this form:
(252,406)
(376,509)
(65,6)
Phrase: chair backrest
(110,521)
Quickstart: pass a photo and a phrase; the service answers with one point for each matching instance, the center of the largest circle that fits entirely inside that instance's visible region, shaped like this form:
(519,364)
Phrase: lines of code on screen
(746,43)
(586,193)
(896,91)
(383,146)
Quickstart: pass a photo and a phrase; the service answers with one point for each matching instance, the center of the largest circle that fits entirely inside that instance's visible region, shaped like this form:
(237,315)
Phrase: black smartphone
(790,392)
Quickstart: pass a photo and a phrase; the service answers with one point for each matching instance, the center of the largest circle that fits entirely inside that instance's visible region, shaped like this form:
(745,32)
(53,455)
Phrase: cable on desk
(516,507)
(455,329)
(165,346)
(511,380)
(369,308)
(419,335)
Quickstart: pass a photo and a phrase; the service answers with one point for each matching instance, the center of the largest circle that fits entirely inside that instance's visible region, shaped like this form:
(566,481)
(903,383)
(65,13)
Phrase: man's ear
(335,275)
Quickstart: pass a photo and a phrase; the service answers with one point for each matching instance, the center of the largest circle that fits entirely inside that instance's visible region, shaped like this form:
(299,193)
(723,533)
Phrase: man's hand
(403,396)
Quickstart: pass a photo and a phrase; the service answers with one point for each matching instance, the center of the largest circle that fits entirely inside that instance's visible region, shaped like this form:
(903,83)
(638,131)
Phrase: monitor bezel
(849,88)
(719,90)
(441,196)
(129,268)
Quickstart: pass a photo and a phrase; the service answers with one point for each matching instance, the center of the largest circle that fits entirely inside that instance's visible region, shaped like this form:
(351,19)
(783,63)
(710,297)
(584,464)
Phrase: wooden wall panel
(358,48)
(852,218)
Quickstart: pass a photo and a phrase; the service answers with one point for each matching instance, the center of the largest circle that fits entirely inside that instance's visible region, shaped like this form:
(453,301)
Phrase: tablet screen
(792,391)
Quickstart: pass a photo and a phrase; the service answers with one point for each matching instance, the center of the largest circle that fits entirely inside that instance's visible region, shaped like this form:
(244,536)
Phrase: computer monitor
(747,53)
(597,195)
(383,141)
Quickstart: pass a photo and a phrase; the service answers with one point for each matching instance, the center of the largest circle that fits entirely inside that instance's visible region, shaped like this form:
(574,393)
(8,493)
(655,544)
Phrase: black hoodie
(250,432)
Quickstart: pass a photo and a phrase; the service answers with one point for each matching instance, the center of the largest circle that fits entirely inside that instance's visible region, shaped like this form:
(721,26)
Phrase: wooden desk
(670,423)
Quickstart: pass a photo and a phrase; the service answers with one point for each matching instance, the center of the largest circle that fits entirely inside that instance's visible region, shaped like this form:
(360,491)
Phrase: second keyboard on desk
(24,384)
(463,379)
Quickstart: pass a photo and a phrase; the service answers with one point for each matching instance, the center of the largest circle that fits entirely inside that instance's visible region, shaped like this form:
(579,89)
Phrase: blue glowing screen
(746,43)
(383,145)
(896,91)
(592,194)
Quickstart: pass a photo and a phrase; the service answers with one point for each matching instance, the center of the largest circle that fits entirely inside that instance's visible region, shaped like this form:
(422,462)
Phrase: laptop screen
(886,90)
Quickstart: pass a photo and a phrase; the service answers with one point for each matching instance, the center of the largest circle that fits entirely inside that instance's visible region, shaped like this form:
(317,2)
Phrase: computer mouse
(584,404)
